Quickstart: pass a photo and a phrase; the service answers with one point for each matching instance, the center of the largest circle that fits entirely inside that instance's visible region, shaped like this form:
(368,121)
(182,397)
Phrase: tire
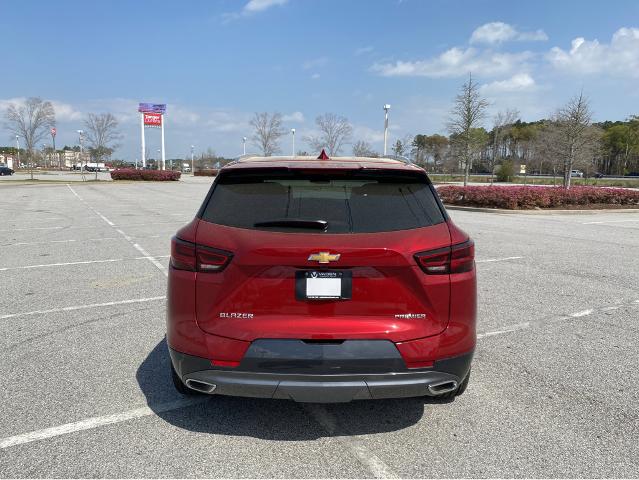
(179,384)
(461,388)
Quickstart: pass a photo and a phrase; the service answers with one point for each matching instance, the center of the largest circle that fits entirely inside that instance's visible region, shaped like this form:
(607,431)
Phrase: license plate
(323,284)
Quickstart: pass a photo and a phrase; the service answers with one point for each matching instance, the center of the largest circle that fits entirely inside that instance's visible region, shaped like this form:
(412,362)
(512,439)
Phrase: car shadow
(266,418)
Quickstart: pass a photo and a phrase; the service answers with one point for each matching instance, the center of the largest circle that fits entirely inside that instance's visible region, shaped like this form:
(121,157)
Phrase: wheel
(179,384)
(461,388)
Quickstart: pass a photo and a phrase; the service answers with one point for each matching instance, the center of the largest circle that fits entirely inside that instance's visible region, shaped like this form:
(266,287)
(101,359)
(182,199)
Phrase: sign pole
(142,134)
(163,156)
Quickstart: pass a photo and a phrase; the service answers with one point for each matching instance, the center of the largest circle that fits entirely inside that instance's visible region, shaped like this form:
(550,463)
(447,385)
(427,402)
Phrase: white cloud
(620,56)
(297,117)
(519,82)
(364,50)
(254,6)
(315,63)
(499,32)
(456,62)
(65,112)
(362,132)
(315,76)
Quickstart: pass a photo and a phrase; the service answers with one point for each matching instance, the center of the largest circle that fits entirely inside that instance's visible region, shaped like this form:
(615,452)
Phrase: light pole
(192,164)
(293,134)
(244,145)
(18,150)
(162,160)
(386,109)
(81,138)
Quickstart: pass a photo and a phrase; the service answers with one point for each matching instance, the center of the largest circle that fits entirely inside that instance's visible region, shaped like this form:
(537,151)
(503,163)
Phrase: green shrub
(506,171)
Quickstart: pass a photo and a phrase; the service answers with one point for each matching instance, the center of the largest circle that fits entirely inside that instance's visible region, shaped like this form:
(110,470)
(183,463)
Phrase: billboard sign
(152,107)
(152,119)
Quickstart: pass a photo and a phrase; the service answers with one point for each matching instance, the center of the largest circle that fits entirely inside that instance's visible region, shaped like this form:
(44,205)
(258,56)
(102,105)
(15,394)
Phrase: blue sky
(216,62)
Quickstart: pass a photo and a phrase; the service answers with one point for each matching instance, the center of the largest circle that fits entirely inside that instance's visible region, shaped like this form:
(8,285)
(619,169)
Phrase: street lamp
(81,138)
(386,109)
(192,165)
(293,134)
(244,145)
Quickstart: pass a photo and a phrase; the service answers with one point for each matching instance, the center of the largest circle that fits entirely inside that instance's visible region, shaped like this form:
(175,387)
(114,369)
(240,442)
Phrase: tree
(469,109)
(101,134)
(267,132)
(501,121)
(399,148)
(430,147)
(335,132)
(31,120)
(572,122)
(363,149)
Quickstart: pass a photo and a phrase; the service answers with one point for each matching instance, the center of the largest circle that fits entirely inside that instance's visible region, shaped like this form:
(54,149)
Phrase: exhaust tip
(200,386)
(442,387)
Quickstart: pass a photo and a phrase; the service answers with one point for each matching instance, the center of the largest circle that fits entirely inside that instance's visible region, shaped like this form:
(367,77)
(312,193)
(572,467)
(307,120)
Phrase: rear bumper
(198,373)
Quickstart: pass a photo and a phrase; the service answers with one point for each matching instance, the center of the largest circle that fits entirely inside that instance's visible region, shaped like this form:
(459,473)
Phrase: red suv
(321,280)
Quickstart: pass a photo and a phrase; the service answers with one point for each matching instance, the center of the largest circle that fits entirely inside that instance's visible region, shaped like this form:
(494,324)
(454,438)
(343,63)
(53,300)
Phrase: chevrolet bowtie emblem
(324,257)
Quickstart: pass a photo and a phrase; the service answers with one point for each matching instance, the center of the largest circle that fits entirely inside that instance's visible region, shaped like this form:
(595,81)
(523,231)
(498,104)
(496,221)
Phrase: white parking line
(488,260)
(87,262)
(95,422)
(366,457)
(81,307)
(611,221)
(79,240)
(148,257)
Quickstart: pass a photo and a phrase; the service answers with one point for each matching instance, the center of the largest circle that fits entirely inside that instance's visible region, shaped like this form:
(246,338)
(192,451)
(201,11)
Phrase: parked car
(598,175)
(577,173)
(321,281)
(6,171)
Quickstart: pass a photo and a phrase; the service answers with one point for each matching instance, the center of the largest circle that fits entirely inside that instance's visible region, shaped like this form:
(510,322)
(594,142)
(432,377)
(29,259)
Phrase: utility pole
(386,109)
(244,144)
(192,162)
(293,133)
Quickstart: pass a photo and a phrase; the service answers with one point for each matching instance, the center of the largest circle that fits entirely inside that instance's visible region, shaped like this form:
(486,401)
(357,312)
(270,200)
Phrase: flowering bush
(514,198)
(154,175)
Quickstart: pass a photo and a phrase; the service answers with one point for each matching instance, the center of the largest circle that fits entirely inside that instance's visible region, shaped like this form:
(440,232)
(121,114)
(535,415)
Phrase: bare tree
(501,122)
(572,122)
(268,131)
(362,148)
(335,132)
(467,113)
(32,121)
(101,133)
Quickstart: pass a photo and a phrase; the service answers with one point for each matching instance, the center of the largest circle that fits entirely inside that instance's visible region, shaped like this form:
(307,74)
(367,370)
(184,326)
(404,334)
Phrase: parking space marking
(82,307)
(611,221)
(95,422)
(21,244)
(85,262)
(135,245)
(366,457)
(489,260)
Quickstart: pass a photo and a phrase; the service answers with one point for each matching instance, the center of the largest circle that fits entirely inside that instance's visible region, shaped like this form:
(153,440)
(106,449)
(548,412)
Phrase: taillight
(455,259)
(197,258)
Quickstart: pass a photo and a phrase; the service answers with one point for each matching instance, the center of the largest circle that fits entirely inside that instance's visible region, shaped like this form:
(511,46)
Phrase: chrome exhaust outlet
(440,388)
(200,386)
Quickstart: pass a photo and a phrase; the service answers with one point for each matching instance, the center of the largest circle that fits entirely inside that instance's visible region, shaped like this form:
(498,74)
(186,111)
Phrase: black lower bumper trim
(317,388)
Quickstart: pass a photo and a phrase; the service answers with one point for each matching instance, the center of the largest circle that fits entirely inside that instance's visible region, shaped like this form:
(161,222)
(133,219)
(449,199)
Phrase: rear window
(336,202)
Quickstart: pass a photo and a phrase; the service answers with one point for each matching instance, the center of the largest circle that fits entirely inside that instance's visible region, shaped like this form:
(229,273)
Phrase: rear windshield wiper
(294,223)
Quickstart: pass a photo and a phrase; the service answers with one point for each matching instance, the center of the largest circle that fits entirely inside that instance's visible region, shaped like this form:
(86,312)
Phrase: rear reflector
(455,259)
(197,258)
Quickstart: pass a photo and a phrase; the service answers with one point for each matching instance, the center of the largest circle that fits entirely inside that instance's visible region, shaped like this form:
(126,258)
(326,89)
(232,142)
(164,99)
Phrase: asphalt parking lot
(85,390)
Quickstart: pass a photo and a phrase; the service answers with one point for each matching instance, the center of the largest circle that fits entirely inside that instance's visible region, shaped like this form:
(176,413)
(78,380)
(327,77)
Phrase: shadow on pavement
(270,419)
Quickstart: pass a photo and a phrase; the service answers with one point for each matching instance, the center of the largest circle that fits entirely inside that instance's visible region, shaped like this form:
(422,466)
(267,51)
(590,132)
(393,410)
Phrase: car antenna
(323,156)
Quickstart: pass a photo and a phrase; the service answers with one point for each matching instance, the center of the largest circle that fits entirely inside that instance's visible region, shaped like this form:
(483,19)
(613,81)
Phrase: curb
(502,211)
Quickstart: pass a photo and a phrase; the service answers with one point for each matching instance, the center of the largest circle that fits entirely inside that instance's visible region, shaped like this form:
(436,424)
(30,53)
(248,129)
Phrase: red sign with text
(152,119)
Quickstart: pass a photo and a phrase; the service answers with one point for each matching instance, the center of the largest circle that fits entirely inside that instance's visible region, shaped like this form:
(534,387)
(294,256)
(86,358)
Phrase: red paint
(258,278)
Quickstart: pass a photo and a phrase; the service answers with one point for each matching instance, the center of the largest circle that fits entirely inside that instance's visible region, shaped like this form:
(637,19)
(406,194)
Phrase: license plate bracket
(323,284)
